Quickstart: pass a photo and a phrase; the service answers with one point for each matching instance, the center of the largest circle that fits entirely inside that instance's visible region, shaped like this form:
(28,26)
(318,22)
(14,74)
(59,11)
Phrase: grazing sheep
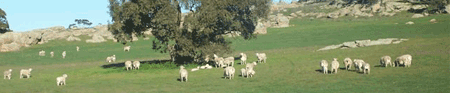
(229,72)
(64,54)
(52,54)
(358,64)
(136,64)
(128,65)
(195,69)
(366,67)
(42,53)
(61,80)
(78,48)
(7,74)
(348,63)
(324,65)
(126,48)
(261,57)
(228,61)
(385,60)
(108,59)
(183,74)
(243,72)
(113,58)
(250,72)
(334,65)
(403,60)
(250,66)
(243,58)
(25,72)
(218,61)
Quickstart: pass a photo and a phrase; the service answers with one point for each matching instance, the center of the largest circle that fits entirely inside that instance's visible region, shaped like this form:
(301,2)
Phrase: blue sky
(25,15)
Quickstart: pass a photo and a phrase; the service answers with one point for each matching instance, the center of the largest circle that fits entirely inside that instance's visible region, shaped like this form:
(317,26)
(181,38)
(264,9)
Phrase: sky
(26,15)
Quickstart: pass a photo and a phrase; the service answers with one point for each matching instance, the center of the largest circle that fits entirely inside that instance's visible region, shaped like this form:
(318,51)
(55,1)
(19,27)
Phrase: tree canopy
(193,35)
(4,26)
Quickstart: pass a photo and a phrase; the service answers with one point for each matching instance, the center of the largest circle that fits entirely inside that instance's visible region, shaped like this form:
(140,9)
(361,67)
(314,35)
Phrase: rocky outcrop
(363,43)
(10,47)
(409,23)
(96,38)
(72,38)
(417,16)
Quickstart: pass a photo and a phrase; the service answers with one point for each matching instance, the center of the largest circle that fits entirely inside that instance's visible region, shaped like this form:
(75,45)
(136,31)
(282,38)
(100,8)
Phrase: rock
(293,15)
(433,21)
(447,9)
(331,47)
(96,39)
(350,44)
(260,28)
(409,23)
(387,14)
(10,47)
(72,38)
(362,43)
(381,41)
(146,38)
(417,16)
(281,21)
(320,15)
(426,14)
(332,15)
(376,7)
(134,37)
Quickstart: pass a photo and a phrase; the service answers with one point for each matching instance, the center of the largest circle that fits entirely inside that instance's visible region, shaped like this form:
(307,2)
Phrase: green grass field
(291,66)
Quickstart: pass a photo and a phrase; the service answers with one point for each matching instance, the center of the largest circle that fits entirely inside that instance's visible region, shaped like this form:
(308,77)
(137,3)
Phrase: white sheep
(229,72)
(78,48)
(250,72)
(243,58)
(126,48)
(136,64)
(25,72)
(195,69)
(64,54)
(128,65)
(334,65)
(7,74)
(207,59)
(251,65)
(61,80)
(385,60)
(42,53)
(366,68)
(228,61)
(113,58)
(261,57)
(403,60)
(52,54)
(348,63)
(324,65)
(218,61)
(108,59)
(358,64)
(183,74)
(243,72)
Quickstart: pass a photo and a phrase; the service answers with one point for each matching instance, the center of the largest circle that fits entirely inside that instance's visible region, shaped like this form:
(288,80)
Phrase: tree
(4,26)
(202,28)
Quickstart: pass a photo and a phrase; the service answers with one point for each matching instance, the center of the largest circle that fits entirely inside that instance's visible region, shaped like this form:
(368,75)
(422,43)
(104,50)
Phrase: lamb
(243,72)
(348,63)
(195,69)
(126,48)
(229,72)
(42,53)
(358,64)
(52,54)
(250,66)
(366,67)
(64,54)
(228,61)
(78,48)
(183,74)
(25,72)
(403,60)
(261,57)
(334,65)
(61,80)
(7,74)
(324,65)
(128,65)
(136,64)
(250,72)
(385,60)
(243,58)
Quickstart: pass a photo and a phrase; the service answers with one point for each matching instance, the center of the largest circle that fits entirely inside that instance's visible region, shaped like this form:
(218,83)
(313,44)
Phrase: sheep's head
(181,67)
(30,69)
(335,59)
(64,75)
(10,70)
(254,63)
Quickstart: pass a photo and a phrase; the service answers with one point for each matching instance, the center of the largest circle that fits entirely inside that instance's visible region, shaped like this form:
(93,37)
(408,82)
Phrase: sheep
(250,66)
(207,66)
(228,61)
(229,72)
(126,48)
(183,74)
(348,63)
(334,65)
(128,65)
(207,59)
(108,59)
(195,69)
(385,60)
(7,74)
(42,53)
(136,64)
(358,64)
(218,61)
(78,48)
(324,65)
(25,72)
(366,67)
(403,60)
(243,72)
(261,57)
(113,58)
(250,73)
(61,80)
(243,58)
(64,54)
(52,54)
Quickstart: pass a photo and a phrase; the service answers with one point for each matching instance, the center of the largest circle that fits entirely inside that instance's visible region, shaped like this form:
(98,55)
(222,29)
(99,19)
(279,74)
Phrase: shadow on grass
(122,64)
(379,66)
(320,70)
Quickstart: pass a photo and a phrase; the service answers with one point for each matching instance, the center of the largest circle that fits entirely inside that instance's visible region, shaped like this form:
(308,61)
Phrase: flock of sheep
(227,63)
(359,64)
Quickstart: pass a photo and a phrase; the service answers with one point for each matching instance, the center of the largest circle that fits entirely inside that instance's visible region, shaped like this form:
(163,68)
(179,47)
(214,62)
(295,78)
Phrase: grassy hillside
(291,66)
